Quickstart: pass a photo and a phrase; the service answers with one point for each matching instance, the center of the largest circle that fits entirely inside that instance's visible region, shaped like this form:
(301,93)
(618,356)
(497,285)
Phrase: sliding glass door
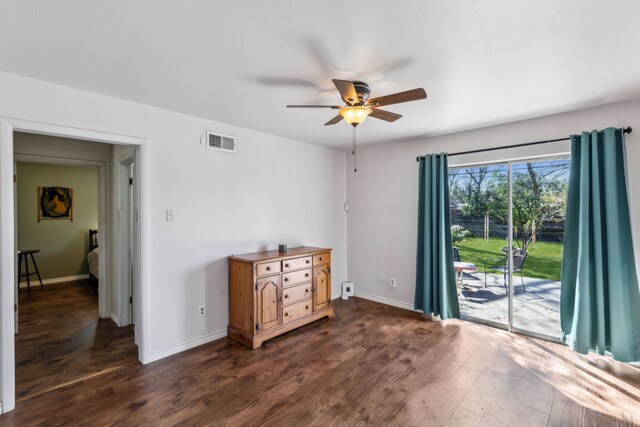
(479,218)
(539,205)
(508,226)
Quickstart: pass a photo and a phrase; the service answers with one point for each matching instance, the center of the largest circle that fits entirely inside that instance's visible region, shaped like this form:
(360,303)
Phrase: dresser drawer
(296,277)
(296,293)
(296,311)
(323,258)
(296,263)
(268,268)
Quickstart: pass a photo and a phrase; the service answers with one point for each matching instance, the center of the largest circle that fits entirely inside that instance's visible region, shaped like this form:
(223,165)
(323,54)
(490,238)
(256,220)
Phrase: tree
(539,195)
(472,195)
(453,175)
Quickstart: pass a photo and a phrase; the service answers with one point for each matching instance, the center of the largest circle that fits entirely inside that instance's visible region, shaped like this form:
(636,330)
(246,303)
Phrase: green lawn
(543,261)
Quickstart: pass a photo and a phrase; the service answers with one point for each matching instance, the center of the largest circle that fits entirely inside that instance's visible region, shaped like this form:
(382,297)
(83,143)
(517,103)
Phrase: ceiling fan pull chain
(355,166)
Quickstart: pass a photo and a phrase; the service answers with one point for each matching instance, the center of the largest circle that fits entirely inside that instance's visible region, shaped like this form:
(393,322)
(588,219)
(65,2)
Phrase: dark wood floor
(62,340)
(371,365)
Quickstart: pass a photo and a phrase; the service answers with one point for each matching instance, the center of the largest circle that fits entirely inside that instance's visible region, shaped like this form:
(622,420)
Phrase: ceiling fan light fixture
(355,115)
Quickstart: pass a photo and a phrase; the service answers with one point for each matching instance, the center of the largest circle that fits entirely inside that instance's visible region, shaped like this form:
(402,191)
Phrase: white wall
(383,194)
(272,190)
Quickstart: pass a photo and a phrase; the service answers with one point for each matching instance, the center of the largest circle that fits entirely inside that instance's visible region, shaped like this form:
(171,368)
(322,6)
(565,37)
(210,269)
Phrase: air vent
(217,141)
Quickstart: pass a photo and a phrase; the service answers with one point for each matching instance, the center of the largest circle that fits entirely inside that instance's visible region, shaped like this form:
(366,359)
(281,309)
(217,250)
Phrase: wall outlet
(201,311)
(393,282)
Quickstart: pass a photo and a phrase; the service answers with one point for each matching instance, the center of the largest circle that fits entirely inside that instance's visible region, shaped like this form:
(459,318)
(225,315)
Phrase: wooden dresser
(273,292)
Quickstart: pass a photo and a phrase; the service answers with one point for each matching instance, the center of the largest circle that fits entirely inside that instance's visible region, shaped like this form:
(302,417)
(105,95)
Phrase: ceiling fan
(359,106)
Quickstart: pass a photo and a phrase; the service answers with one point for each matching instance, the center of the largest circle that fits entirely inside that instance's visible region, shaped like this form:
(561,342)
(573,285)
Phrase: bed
(93,257)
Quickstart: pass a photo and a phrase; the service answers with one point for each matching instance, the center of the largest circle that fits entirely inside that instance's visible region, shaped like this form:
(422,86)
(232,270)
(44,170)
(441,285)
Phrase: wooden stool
(25,253)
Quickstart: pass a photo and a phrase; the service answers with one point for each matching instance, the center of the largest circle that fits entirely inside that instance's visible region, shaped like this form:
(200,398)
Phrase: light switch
(169,215)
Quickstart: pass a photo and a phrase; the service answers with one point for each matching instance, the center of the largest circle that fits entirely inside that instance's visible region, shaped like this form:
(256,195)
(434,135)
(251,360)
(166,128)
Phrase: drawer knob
(286,279)
(306,274)
(286,314)
(306,307)
(286,296)
(320,258)
(307,261)
(306,290)
(268,268)
(286,265)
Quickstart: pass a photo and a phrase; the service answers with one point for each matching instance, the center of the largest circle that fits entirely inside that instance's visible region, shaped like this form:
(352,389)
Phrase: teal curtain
(600,298)
(435,279)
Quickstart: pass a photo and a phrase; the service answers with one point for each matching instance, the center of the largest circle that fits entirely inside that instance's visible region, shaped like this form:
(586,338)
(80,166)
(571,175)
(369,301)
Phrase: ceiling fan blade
(333,121)
(397,98)
(347,91)
(335,107)
(387,116)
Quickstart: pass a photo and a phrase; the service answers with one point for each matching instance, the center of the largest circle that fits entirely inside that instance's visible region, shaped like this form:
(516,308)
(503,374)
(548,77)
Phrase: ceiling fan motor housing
(362,90)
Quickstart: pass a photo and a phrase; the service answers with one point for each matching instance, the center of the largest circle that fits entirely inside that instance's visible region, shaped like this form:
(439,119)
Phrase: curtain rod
(482,150)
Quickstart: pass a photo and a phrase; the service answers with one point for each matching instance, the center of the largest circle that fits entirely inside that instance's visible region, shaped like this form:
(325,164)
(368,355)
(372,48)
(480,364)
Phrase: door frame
(126,310)
(7,244)
(509,163)
(16,313)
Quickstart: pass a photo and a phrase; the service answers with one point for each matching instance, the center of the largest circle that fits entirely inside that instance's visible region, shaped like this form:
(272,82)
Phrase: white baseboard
(55,280)
(223,333)
(189,344)
(115,318)
(387,301)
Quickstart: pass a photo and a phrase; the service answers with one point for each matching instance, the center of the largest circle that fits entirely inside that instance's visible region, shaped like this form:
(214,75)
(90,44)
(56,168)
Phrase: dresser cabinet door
(267,303)
(321,287)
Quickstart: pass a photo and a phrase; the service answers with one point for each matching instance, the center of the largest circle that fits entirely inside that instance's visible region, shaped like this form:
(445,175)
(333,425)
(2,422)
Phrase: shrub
(458,234)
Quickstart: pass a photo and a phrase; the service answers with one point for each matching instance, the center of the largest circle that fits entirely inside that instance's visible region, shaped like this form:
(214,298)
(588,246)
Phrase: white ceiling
(241,62)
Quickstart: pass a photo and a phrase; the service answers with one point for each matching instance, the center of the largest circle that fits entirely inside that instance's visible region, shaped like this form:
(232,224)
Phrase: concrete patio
(536,310)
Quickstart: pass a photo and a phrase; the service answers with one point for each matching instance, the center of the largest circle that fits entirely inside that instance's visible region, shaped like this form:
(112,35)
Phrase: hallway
(62,340)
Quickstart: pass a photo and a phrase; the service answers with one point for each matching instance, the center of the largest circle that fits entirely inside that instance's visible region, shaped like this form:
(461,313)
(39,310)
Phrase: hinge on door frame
(258,326)
(130,181)
(256,286)
(15,178)
(328,269)
(130,300)
(15,307)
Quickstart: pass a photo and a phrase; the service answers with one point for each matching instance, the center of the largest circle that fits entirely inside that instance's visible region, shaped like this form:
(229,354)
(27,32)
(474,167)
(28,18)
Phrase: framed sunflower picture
(55,203)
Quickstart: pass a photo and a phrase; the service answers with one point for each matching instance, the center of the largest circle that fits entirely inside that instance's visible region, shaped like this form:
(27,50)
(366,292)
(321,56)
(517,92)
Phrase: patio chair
(456,254)
(519,257)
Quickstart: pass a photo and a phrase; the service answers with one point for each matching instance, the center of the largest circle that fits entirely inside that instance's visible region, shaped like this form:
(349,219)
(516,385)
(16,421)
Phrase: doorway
(8,273)
(61,338)
(507,228)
